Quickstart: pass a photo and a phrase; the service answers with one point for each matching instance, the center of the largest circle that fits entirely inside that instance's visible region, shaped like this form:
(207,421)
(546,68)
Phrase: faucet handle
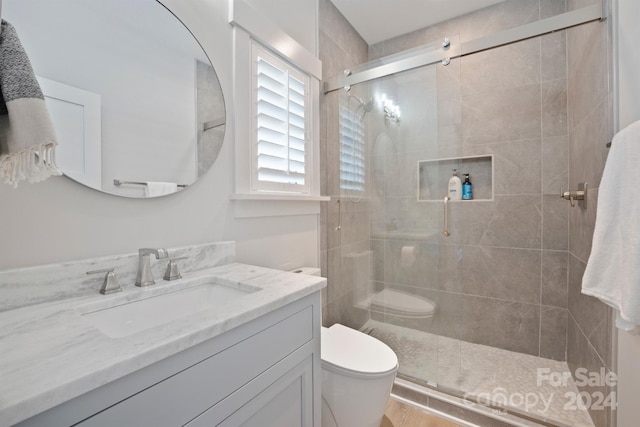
(110,284)
(172,272)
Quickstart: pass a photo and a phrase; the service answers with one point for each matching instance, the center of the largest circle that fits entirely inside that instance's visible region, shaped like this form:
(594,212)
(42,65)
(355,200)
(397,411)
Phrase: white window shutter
(352,156)
(280,154)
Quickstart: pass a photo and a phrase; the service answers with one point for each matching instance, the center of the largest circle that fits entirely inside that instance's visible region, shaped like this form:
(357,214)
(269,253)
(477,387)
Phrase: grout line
(587,339)
(542,203)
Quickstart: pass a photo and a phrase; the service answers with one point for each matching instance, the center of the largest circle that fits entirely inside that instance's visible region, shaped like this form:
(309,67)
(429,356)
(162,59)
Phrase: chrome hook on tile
(580,195)
(446,43)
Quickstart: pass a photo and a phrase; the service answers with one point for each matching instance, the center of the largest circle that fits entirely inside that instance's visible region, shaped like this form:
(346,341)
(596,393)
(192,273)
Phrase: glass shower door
(399,138)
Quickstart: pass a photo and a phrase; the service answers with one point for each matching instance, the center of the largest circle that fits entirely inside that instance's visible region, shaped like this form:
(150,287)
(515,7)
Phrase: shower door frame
(597,12)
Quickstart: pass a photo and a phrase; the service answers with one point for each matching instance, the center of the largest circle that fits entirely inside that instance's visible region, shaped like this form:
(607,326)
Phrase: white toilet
(357,375)
(392,302)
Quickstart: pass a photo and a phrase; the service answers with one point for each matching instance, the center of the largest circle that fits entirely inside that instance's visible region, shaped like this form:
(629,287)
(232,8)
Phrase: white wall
(293,17)
(59,220)
(629,111)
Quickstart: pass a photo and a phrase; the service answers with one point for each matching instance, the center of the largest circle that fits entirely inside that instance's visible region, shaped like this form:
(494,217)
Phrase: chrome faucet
(145,276)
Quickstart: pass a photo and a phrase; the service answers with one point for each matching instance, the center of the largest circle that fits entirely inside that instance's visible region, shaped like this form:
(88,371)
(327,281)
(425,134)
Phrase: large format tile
(517,165)
(377,248)
(503,273)
(549,8)
(334,58)
(449,125)
(502,16)
(504,324)
(554,107)
(334,24)
(554,287)
(332,232)
(332,152)
(592,316)
(555,164)
(553,55)
(401,173)
(502,115)
(344,311)
(448,318)
(335,287)
(555,223)
(581,227)
(587,69)
(354,220)
(553,333)
(410,262)
(449,271)
(357,269)
(587,147)
(486,72)
(582,356)
(509,221)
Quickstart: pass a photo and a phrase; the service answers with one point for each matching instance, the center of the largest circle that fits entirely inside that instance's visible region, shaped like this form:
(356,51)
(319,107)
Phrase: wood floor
(401,415)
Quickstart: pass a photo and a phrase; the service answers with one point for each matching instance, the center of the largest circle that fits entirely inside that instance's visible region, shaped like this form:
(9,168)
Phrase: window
(352,165)
(280,152)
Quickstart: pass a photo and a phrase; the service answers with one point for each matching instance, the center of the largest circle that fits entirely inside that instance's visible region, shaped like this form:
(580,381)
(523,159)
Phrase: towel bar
(120,182)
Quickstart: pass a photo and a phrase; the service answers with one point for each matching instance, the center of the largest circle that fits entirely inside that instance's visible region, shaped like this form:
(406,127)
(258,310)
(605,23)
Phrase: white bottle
(455,186)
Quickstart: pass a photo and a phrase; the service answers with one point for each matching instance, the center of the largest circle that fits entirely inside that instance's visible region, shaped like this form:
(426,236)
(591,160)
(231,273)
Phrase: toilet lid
(354,351)
(398,302)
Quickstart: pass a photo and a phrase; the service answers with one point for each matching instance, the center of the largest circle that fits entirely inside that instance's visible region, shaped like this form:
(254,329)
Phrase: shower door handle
(446,216)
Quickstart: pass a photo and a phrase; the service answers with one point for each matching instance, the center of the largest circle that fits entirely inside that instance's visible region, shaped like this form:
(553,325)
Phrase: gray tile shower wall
(501,277)
(510,273)
(344,221)
(590,127)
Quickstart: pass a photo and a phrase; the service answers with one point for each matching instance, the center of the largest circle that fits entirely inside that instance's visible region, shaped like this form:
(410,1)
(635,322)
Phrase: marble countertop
(51,354)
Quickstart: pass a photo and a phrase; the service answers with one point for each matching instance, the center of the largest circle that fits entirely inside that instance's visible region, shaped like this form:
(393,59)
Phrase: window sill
(265,205)
(281,197)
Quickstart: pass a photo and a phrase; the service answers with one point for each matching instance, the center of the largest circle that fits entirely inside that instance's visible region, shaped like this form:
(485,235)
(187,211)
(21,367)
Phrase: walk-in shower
(476,313)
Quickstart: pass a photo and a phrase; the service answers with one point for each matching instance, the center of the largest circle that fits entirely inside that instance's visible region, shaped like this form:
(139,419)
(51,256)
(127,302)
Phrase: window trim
(257,186)
(241,133)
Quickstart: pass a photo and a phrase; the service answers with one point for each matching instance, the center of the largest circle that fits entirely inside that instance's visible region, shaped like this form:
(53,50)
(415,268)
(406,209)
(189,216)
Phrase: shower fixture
(366,106)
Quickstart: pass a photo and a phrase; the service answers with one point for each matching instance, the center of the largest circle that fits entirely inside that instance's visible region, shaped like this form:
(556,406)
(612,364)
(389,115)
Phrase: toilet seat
(391,301)
(353,353)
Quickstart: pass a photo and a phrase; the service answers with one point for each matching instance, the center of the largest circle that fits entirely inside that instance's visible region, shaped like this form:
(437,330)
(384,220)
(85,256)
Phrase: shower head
(366,106)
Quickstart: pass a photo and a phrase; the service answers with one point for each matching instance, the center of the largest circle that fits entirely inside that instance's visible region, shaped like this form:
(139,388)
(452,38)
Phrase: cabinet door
(286,402)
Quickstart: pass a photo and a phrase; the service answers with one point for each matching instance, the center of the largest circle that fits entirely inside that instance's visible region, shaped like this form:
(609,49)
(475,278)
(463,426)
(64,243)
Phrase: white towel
(155,189)
(613,270)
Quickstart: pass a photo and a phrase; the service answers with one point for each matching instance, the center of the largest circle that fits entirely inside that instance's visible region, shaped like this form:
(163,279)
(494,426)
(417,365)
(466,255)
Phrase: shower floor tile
(486,374)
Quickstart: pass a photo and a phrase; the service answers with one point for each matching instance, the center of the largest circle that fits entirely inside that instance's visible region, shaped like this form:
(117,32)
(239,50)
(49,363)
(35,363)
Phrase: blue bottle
(467,188)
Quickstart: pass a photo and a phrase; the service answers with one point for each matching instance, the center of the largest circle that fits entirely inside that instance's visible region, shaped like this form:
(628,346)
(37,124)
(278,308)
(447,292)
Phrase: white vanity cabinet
(263,373)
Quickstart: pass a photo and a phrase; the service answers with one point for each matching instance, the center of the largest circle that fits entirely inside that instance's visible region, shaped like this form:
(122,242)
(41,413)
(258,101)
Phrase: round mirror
(137,106)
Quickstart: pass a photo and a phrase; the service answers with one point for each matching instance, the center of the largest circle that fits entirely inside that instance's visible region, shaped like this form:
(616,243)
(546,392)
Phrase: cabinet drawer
(174,401)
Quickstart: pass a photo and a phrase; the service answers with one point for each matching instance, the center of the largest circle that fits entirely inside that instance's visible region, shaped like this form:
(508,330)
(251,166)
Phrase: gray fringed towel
(27,137)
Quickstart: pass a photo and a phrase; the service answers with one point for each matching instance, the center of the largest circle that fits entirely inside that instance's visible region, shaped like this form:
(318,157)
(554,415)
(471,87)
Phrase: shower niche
(434,175)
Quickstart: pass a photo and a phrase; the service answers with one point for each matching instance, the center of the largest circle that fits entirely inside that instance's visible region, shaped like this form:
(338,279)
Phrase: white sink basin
(130,317)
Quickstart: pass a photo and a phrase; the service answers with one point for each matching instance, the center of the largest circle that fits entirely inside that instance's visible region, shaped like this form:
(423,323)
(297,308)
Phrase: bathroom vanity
(252,361)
